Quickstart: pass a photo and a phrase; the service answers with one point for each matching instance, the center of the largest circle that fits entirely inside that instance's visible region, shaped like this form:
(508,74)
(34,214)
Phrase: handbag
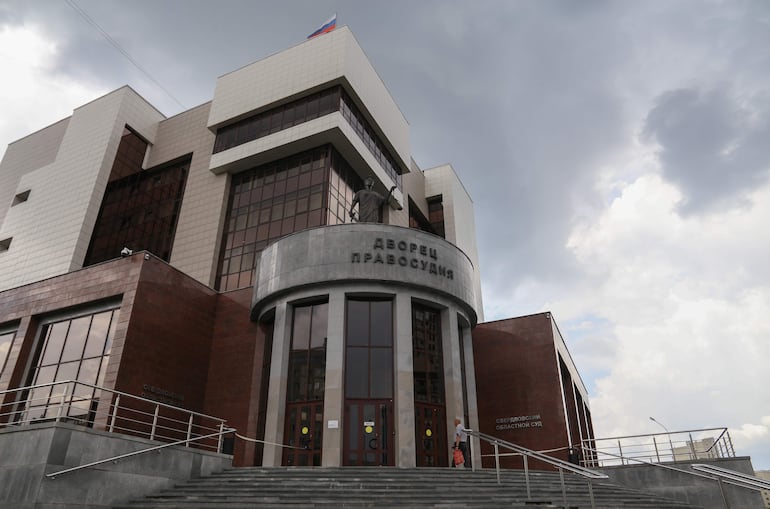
(457,455)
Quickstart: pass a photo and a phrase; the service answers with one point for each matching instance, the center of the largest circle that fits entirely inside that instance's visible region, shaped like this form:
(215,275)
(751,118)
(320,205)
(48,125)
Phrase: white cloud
(33,94)
(687,299)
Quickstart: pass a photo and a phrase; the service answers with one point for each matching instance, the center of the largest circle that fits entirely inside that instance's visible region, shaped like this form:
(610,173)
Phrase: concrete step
(394,487)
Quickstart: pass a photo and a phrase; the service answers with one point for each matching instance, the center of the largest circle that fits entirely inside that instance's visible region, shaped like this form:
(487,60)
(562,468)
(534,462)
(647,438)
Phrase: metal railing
(109,410)
(688,445)
(710,472)
(526,454)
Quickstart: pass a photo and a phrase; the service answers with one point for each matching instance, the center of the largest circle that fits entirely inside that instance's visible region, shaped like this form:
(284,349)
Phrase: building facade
(209,260)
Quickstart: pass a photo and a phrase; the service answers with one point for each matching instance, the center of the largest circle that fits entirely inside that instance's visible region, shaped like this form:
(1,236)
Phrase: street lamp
(671,445)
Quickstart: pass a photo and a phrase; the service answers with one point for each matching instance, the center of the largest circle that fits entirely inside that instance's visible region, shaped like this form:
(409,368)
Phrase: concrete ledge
(689,488)
(27,453)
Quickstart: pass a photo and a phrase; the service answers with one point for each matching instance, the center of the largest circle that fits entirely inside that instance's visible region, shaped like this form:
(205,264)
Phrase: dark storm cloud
(711,146)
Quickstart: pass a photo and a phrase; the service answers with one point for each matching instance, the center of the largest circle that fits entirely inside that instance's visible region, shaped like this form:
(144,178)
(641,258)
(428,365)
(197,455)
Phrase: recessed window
(5,244)
(20,198)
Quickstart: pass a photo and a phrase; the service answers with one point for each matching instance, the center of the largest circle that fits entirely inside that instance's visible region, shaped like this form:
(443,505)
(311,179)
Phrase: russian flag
(329,25)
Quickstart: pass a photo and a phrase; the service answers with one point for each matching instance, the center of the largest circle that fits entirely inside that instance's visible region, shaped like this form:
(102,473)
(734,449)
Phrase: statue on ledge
(369,203)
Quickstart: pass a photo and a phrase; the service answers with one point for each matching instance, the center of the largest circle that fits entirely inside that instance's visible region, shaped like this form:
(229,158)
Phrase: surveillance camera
(126,252)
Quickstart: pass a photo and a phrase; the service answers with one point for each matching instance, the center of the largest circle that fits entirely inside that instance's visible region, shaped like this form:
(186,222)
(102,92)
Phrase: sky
(617,153)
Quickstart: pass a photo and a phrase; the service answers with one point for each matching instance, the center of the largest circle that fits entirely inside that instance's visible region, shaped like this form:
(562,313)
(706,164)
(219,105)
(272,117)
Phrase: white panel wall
(311,64)
(52,229)
(199,230)
(459,219)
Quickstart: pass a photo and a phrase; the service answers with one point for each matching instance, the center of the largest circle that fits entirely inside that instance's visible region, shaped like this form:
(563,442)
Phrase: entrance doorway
(304,428)
(430,431)
(369,433)
(368,422)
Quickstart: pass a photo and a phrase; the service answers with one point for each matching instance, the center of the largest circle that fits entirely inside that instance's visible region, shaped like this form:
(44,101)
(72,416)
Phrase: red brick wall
(517,375)
(168,338)
(235,370)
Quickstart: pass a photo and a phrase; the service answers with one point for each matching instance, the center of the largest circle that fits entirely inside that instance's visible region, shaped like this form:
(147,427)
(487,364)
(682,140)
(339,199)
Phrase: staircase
(297,487)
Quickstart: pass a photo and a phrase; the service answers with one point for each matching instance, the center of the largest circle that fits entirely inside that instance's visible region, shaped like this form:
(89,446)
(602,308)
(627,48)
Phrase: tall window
(369,349)
(428,356)
(71,349)
(309,189)
(429,408)
(139,211)
(307,361)
(306,384)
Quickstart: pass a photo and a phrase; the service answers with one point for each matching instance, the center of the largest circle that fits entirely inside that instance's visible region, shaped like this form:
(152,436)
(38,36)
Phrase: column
(276,398)
(470,387)
(334,391)
(452,373)
(404,377)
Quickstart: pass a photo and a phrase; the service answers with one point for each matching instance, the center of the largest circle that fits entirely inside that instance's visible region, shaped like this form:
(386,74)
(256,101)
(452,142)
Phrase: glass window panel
(301,330)
(103,370)
(381,323)
(317,374)
(381,373)
(67,371)
(275,229)
(287,226)
(319,325)
(41,395)
(300,222)
(56,332)
(76,338)
(89,370)
(45,375)
(356,373)
(97,336)
(316,199)
(357,323)
(298,376)
(314,218)
(6,341)
(111,334)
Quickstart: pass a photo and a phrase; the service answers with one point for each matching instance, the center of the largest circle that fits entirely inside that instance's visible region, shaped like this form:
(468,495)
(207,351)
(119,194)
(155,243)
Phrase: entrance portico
(387,313)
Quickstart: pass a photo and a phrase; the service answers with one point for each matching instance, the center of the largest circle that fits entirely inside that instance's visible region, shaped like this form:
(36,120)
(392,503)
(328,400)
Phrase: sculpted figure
(369,203)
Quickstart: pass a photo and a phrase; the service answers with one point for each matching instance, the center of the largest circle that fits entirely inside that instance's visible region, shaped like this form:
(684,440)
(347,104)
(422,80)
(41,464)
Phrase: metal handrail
(165,422)
(733,477)
(54,475)
(727,476)
(561,465)
(652,447)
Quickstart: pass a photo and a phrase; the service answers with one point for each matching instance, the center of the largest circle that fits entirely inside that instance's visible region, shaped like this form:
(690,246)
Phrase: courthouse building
(209,261)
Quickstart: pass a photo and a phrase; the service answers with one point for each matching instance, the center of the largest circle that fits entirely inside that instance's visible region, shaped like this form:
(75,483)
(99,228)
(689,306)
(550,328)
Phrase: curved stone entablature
(360,253)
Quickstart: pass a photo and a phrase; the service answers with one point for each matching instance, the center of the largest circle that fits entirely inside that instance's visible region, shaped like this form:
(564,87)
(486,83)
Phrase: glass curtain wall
(71,349)
(309,189)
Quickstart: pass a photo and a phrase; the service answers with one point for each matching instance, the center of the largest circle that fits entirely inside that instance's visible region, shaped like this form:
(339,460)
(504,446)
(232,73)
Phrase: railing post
(61,404)
(189,431)
(693,452)
(731,449)
(591,494)
(722,491)
(154,422)
(526,475)
(497,462)
(221,437)
(620,453)
(655,443)
(115,413)
(563,488)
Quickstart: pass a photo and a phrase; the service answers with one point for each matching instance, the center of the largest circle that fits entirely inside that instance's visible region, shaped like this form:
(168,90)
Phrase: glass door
(369,433)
